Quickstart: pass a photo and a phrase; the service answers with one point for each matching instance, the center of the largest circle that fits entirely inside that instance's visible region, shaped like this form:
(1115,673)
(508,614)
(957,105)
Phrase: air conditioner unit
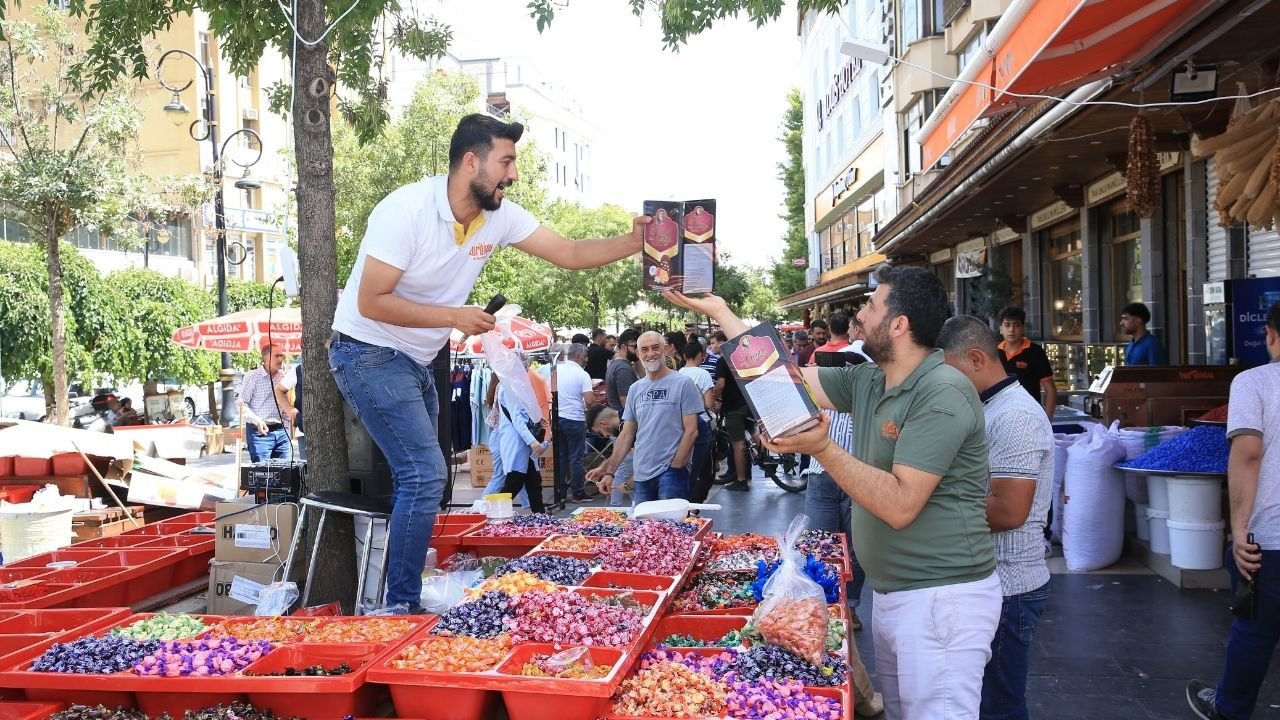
(811,276)
(251,113)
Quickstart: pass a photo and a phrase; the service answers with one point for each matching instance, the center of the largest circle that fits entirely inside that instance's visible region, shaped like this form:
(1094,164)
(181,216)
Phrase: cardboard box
(480,457)
(246,533)
(480,476)
(234,586)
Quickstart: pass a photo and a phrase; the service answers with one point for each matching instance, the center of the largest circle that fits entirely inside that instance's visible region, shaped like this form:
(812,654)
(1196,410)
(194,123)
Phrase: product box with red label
(680,246)
(234,587)
(770,381)
(246,532)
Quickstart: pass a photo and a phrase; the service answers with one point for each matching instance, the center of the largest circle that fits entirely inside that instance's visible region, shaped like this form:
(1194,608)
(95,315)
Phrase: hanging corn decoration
(1142,175)
(1247,155)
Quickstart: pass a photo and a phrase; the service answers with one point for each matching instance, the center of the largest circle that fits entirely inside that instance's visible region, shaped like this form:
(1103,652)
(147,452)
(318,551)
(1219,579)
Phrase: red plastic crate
(59,622)
(28,710)
(443,703)
(115,542)
(12,647)
(527,698)
(629,581)
(707,628)
(6,466)
(836,693)
(10,574)
(330,696)
(31,467)
(68,464)
(42,560)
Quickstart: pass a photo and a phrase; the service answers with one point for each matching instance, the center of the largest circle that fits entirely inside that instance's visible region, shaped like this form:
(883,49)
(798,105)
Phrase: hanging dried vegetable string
(1142,175)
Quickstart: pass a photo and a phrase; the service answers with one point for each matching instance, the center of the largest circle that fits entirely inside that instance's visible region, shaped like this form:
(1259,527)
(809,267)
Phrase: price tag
(253,536)
(245,590)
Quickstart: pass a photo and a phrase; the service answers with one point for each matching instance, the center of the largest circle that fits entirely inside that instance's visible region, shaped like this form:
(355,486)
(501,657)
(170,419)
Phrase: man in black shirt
(1026,359)
(735,414)
(598,355)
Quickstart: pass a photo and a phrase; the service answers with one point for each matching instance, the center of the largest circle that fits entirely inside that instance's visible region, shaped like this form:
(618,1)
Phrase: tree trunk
(335,577)
(61,413)
(595,311)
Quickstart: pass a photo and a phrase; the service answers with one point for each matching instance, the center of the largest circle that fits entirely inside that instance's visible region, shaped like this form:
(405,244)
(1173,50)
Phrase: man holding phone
(1253,478)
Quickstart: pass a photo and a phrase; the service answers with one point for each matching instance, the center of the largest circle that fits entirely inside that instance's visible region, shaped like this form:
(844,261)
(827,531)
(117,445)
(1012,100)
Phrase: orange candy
(571,543)
(454,654)
(513,584)
(362,631)
(279,630)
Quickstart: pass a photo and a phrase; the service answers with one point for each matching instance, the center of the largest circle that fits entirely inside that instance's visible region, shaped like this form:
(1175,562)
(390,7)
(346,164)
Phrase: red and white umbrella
(526,336)
(245,331)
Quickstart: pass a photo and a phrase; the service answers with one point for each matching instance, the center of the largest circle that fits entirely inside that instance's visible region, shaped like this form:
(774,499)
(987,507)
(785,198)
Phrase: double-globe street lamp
(201,129)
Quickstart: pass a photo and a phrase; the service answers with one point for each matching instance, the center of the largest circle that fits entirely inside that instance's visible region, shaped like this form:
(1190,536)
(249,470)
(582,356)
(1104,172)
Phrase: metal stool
(348,504)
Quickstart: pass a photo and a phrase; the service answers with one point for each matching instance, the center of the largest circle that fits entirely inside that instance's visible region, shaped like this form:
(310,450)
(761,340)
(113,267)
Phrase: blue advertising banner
(1250,300)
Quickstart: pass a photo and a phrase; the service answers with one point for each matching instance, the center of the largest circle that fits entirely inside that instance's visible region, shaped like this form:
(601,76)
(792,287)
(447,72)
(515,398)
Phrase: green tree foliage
(69,153)
(25,337)
(588,297)
(153,306)
(788,279)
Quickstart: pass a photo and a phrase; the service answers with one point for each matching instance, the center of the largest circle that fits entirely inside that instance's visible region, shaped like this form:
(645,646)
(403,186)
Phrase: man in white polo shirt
(425,246)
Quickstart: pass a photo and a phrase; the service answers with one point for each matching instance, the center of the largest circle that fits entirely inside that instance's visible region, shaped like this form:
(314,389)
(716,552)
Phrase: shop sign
(940,257)
(1005,235)
(841,82)
(843,184)
(1105,188)
(1168,160)
(1051,214)
(1215,293)
(971,257)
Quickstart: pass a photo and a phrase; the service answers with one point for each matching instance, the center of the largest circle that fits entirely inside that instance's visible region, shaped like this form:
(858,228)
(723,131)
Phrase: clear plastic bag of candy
(793,613)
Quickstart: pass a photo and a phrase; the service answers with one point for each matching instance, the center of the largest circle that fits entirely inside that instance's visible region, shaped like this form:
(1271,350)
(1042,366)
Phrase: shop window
(946,274)
(1007,259)
(970,49)
(1066,282)
(866,225)
(1126,257)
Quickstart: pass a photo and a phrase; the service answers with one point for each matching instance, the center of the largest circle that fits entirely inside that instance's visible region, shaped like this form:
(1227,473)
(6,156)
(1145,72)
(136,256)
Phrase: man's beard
(633,358)
(487,197)
(652,366)
(878,345)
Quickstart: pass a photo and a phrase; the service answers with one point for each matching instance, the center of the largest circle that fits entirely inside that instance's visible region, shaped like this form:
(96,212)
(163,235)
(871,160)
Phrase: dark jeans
(573,439)
(830,509)
(395,398)
(702,469)
(672,483)
(1004,682)
(1252,642)
(275,444)
(531,482)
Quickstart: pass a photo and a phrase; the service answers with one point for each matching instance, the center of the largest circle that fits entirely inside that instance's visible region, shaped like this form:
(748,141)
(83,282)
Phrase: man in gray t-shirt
(619,374)
(661,422)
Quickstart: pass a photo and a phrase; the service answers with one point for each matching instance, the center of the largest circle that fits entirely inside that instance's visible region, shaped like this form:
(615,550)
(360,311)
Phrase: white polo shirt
(413,229)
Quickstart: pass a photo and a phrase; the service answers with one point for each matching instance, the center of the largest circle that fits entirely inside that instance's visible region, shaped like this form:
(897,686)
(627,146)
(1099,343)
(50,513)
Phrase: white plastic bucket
(1195,499)
(1159,522)
(1157,492)
(25,534)
(1196,546)
(1141,524)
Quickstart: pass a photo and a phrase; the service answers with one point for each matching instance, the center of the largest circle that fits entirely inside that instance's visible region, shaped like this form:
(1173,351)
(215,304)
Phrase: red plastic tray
(840,694)
(58,622)
(115,542)
(11,574)
(28,710)
(702,627)
(629,581)
(574,699)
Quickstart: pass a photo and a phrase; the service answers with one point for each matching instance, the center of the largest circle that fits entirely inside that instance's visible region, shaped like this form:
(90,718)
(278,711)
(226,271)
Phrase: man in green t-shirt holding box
(917,477)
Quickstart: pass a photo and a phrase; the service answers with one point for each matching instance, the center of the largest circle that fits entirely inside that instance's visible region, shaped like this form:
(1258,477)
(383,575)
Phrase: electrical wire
(297,36)
(1089,135)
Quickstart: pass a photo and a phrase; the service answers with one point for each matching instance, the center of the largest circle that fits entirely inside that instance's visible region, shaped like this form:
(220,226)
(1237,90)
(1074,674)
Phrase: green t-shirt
(932,422)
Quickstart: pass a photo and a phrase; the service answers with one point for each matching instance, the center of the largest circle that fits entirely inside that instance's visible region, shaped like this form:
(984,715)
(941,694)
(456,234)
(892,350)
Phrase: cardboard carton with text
(680,246)
(234,587)
(246,532)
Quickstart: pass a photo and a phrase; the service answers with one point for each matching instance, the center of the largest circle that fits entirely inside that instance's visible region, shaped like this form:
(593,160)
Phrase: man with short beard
(425,246)
(661,422)
(917,476)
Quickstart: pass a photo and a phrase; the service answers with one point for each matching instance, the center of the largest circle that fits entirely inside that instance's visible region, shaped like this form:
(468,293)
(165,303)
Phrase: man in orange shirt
(1026,359)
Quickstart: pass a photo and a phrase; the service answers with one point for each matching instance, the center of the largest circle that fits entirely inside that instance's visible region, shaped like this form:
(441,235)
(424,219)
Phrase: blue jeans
(274,444)
(830,509)
(1004,681)
(395,398)
(573,439)
(1252,642)
(672,483)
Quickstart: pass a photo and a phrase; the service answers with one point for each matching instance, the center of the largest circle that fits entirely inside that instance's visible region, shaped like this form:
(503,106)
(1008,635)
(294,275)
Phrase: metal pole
(225,413)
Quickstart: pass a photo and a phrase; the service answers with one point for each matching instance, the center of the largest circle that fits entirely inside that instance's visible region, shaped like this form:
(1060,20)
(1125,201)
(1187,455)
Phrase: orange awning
(1060,45)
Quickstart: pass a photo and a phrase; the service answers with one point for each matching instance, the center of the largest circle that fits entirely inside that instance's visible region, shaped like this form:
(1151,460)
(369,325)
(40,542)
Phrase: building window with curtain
(1065,299)
(920,19)
(866,224)
(1126,257)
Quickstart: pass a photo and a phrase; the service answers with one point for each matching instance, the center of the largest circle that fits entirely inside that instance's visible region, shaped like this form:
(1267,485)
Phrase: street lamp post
(178,112)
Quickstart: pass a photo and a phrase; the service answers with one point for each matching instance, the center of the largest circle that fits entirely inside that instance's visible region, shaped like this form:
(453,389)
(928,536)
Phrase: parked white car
(195,398)
(25,401)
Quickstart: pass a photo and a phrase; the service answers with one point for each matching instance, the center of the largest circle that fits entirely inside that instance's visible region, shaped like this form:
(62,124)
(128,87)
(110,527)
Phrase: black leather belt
(272,427)
(339,336)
